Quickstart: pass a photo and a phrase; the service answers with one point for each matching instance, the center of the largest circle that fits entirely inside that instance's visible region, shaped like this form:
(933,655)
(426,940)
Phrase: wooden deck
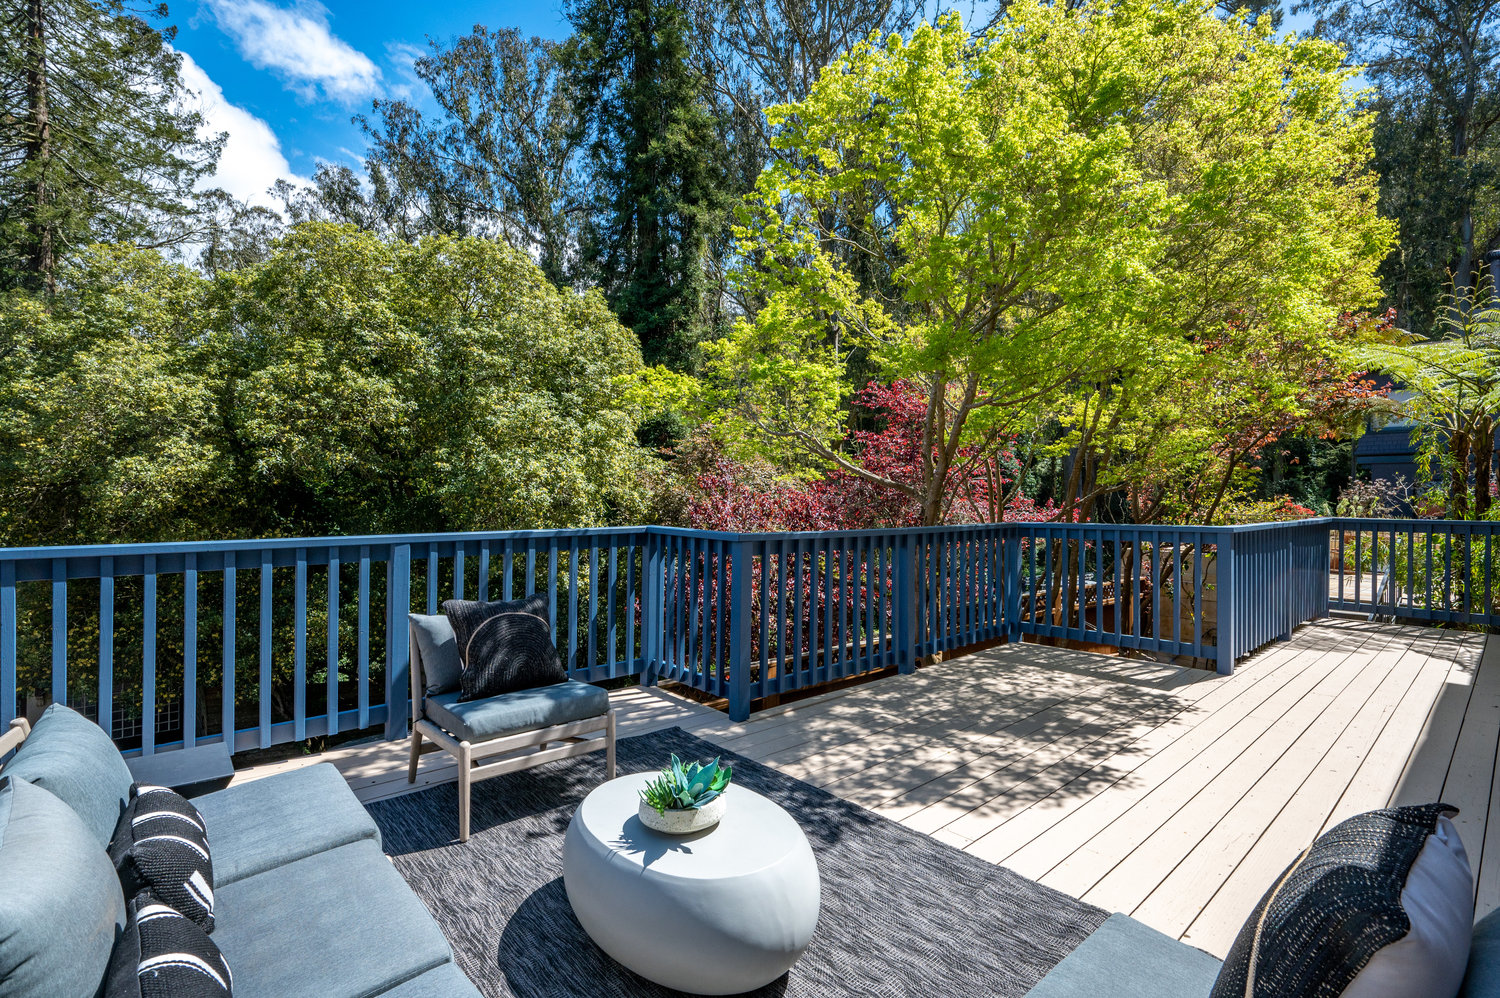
(1173,795)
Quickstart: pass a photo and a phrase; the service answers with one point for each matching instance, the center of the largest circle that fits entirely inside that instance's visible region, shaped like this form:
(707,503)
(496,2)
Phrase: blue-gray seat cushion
(441,666)
(446,981)
(61,907)
(1126,959)
(1482,979)
(523,710)
(256,826)
(72,758)
(338,924)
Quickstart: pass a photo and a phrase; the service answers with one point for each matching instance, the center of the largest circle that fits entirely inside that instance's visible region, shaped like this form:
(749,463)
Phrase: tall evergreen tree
(97,141)
(658,165)
(1437,68)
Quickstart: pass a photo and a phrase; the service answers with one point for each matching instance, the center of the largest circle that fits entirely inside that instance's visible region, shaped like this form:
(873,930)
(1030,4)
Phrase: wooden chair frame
(518,751)
(14,735)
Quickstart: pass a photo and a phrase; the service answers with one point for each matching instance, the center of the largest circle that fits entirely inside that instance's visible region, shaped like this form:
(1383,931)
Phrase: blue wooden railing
(248,644)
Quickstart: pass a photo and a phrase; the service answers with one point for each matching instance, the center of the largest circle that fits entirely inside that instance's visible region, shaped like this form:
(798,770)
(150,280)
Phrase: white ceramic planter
(684,822)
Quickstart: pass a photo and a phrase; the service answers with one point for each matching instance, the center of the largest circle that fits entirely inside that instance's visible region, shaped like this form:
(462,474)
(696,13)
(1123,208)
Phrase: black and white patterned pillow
(504,646)
(161,844)
(163,954)
(1381,904)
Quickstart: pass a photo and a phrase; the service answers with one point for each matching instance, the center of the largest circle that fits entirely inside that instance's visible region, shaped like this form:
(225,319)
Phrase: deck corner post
(1012,582)
(1224,647)
(397,648)
(741,565)
(1322,595)
(906,605)
(652,624)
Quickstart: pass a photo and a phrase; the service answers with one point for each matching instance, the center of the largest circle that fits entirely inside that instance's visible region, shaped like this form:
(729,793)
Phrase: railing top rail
(291,543)
(522,536)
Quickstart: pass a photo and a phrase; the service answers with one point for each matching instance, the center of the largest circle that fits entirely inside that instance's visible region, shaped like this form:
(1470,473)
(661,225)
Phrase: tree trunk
(41,253)
(1484,449)
(1458,475)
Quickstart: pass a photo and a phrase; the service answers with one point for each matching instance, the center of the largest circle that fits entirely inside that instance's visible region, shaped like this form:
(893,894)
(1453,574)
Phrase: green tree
(500,156)
(1437,68)
(1053,215)
(348,383)
(657,171)
(97,143)
(1450,393)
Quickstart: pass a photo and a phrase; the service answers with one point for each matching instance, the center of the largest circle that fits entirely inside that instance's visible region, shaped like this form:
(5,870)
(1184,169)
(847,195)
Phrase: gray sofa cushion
(60,903)
(523,710)
(72,758)
(1482,979)
(338,924)
(446,981)
(256,826)
(1125,959)
(441,666)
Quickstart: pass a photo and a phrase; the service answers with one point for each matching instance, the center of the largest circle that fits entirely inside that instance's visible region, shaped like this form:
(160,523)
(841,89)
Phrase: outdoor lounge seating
(298,870)
(516,727)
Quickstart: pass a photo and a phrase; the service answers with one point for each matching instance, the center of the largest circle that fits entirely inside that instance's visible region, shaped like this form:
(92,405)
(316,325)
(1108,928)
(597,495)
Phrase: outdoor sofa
(305,901)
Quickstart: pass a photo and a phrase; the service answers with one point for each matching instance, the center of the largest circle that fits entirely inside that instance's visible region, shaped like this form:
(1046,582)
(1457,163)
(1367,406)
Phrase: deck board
(1171,794)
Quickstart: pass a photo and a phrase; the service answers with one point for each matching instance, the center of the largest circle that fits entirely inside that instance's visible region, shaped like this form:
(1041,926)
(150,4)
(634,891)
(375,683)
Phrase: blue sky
(284,77)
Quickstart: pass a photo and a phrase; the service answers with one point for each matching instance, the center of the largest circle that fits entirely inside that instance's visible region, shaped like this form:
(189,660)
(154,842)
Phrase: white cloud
(298,46)
(252,159)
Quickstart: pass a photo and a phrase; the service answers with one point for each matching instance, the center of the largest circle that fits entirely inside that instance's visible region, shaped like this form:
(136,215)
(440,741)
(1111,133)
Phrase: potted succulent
(685,797)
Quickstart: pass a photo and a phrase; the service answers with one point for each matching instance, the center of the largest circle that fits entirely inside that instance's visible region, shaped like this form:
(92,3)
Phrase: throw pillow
(1381,904)
(504,646)
(162,844)
(436,643)
(60,904)
(164,954)
(72,758)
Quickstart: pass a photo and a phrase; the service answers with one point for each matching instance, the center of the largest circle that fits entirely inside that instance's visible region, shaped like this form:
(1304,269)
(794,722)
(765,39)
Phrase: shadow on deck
(1174,795)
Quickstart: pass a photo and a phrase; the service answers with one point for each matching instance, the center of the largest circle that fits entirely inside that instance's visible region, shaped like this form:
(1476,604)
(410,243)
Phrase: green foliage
(681,786)
(347,384)
(1038,225)
(97,143)
(660,189)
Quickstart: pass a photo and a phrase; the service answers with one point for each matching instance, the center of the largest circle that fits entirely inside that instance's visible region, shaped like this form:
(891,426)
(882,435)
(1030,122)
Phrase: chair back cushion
(441,666)
(505,646)
(60,904)
(1380,905)
(72,758)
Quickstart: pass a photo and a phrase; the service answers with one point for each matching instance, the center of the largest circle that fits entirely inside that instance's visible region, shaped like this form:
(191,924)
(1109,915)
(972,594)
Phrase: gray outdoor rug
(904,916)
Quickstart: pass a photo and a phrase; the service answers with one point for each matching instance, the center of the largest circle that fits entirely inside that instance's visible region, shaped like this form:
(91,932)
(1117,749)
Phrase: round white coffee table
(714,913)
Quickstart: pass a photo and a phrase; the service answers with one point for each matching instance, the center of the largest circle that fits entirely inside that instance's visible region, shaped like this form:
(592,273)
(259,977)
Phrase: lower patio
(1172,795)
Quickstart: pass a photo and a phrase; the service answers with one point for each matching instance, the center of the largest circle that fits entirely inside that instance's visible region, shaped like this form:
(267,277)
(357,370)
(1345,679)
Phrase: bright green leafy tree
(1049,215)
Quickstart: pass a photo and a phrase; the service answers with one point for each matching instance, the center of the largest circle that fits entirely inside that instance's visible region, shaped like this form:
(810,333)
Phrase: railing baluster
(432,579)
(552,612)
(8,692)
(458,570)
(148,656)
(227,658)
(364,636)
(265,649)
(59,631)
(614,659)
(299,646)
(573,582)
(593,658)
(331,680)
(190,651)
(106,647)
(484,581)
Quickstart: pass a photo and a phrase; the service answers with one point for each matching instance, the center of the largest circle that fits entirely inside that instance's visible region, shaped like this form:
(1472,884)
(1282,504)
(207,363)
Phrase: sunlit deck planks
(1170,794)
